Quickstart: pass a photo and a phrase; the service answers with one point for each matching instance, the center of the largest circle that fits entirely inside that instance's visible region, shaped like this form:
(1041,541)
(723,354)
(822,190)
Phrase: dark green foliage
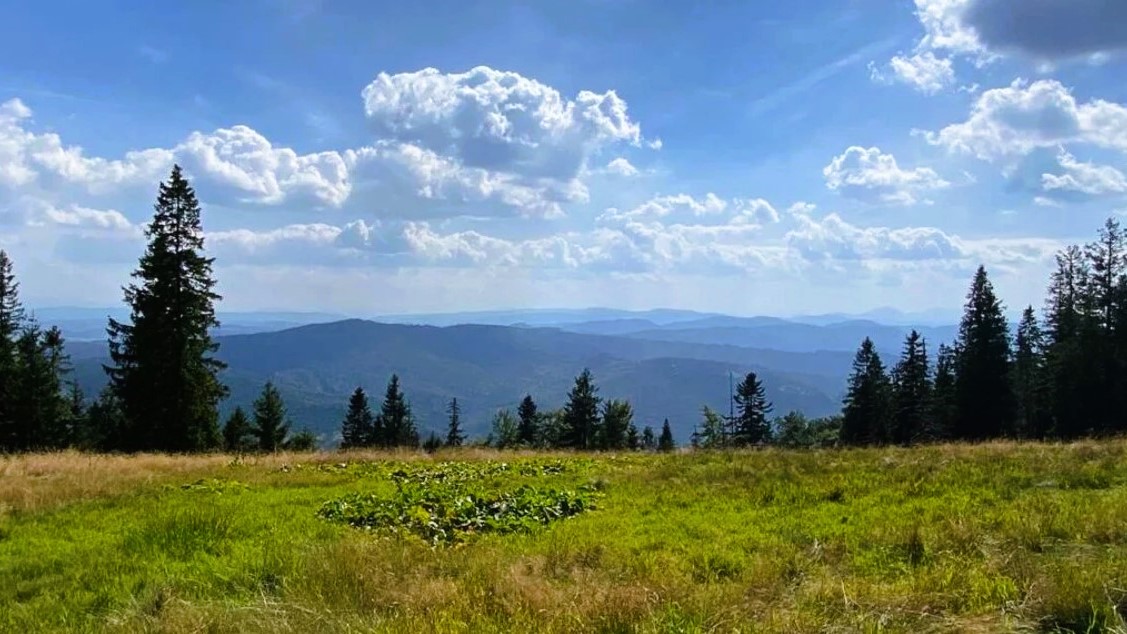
(106,427)
(358,427)
(1029,378)
(911,392)
(796,431)
(529,421)
(618,418)
(941,409)
(39,404)
(868,403)
(984,401)
(395,425)
(649,439)
(304,440)
(163,369)
(454,435)
(238,434)
(665,442)
(581,414)
(750,426)
(433,443)
(36,413)
(11,321)
(270,423)
(633,438)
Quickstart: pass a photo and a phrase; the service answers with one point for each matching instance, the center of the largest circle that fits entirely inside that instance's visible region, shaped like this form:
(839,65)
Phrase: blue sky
(751,158)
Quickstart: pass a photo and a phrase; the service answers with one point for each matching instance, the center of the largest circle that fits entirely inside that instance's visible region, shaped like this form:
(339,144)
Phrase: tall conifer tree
(164,372)
(867,415)
(529,421)
(454,434)
(358,428)
(911,388)
(581,414)
(984,398)
(751,424)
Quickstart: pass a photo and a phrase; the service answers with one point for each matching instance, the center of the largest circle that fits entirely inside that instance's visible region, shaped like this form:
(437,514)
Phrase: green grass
(1000,537)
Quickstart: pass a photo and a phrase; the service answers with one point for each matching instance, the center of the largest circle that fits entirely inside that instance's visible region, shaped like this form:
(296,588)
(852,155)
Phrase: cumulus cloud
(245,161)
(923,71)
(480,143)
(834,238)
(686,208)
(1014,120)
(1044,31)
(1084,178)
(874,176)
(25,156)
(498,121)
(621,167)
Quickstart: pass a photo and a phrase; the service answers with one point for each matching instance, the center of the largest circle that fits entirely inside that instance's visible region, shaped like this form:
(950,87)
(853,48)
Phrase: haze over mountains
(668,363)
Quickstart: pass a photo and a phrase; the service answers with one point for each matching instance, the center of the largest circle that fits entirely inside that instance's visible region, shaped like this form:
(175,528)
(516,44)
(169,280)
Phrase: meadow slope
(990,538)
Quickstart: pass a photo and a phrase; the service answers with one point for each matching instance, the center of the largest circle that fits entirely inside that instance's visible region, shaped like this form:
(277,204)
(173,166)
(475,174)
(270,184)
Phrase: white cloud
(1084,178)
(524,157)
(1012,121)
(245,161)
(680,205)
(621,167)
(874,176)
(832,238)
(25,156)
(923,71)
(498,121)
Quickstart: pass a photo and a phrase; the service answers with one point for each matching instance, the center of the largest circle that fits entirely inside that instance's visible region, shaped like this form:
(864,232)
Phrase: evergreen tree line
(580,424)
(1059,375)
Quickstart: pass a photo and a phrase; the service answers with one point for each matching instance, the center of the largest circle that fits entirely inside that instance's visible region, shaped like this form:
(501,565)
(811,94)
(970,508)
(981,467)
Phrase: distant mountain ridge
(490,367)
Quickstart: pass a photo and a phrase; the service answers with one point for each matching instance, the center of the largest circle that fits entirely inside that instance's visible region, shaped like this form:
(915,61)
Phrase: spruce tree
(618,417)
(1107,263)
(39,404)
(106,426)
(357,429)
(270,422)
(454,435)
(11,322)
(395,420)
(1067,363)
(867,414)
(633,438)
(649,439)
(665,442)
(163,370)
(941,409)
(529,421)
(751,426)
(911,388)
(237,432)
(1029,380)
(581,414)
(983,393)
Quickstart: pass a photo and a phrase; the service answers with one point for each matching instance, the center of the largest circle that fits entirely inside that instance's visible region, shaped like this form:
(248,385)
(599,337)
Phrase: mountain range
(668,363)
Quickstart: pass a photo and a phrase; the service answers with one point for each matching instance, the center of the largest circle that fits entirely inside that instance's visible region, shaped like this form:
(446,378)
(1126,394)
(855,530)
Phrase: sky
(368,157)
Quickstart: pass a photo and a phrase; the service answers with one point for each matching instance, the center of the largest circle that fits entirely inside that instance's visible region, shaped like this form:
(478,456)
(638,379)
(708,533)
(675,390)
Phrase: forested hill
(489,367)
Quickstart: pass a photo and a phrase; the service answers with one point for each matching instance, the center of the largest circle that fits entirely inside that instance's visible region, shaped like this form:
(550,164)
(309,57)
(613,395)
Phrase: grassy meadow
(993,538)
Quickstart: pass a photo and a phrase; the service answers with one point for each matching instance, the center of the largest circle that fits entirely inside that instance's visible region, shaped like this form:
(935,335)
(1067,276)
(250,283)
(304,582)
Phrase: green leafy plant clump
(444,515)
(447,502)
